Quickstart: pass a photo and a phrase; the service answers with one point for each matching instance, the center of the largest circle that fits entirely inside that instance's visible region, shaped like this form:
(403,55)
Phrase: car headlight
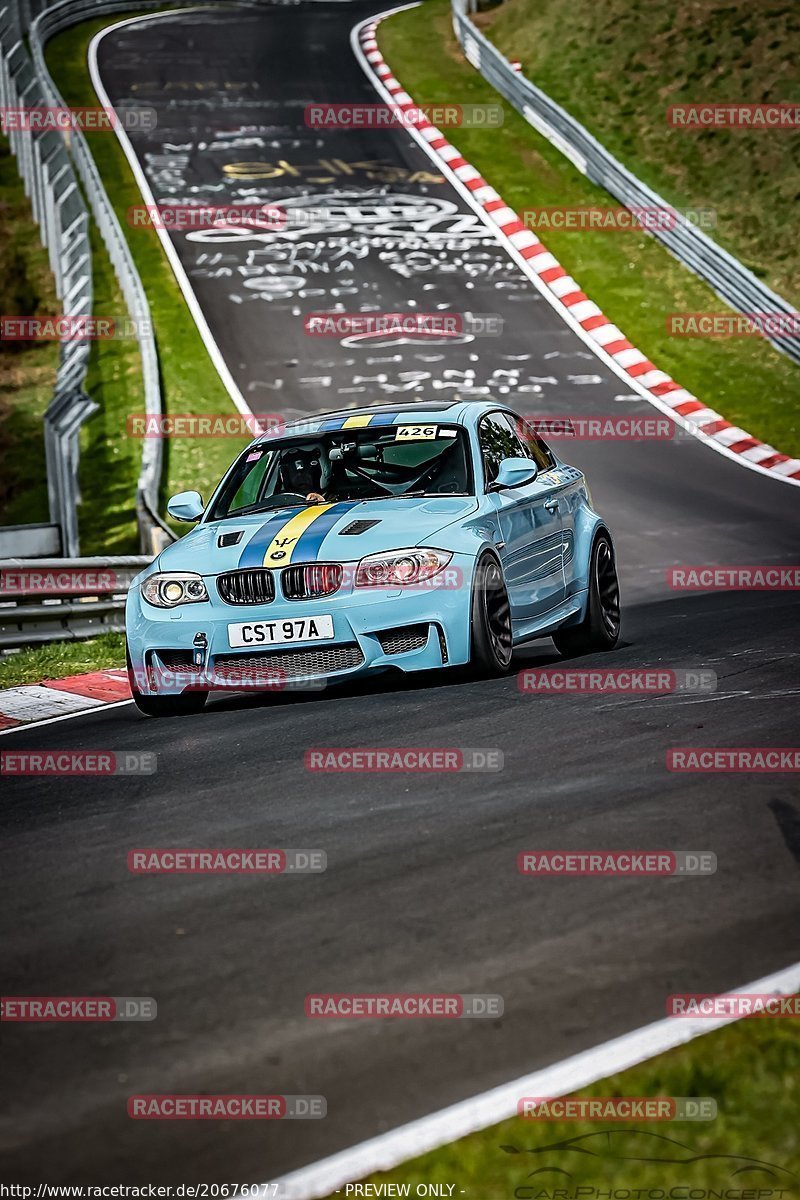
(399,568)
(172,588)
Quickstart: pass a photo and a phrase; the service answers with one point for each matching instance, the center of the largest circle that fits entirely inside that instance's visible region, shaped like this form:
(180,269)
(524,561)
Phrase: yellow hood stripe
(280,550)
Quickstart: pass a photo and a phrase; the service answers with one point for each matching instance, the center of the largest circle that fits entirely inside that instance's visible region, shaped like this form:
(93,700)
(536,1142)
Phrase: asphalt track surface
(421,891)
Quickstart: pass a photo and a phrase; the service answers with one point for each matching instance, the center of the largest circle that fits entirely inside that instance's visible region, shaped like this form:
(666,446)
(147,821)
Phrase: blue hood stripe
(256,548)
(310,542)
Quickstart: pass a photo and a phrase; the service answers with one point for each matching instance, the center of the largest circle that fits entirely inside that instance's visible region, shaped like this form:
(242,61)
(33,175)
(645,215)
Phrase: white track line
(24,726)
(489,1108)
(182,278)
(630,381)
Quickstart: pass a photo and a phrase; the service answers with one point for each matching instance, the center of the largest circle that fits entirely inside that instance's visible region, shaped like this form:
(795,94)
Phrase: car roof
(458,411)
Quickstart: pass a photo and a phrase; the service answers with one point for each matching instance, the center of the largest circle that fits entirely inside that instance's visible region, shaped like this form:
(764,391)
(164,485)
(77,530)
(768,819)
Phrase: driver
(304,470)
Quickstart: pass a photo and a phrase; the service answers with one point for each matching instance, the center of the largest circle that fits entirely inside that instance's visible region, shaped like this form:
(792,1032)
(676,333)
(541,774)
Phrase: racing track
(421,893)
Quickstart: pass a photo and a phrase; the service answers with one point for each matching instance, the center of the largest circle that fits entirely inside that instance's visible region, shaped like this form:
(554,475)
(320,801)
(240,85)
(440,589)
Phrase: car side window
(498,440)
(533,446)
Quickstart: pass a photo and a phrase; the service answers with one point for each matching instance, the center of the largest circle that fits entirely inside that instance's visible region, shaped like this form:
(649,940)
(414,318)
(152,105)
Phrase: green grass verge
(27,369)
(62,658)
(618,66)
(751,1069)
(190,382)
(635,281)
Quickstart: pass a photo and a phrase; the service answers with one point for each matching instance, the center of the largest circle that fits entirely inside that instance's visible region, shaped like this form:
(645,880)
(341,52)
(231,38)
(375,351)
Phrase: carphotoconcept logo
(403,1005)
(226,861)
(627,863)
(645,681)
(400,759)
(77,1009)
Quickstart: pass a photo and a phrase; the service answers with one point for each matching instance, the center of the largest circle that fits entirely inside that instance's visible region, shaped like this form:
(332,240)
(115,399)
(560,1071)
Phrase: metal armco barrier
(48,170)
(63,599)
(59,210)
(727,276)
(51,20)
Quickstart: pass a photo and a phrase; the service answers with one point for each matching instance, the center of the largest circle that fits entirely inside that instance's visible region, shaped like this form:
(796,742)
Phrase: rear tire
(491,637)
(599,629)
(185,705)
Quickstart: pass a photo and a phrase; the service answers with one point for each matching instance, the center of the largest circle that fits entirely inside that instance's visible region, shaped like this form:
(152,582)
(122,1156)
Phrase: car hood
(341,532)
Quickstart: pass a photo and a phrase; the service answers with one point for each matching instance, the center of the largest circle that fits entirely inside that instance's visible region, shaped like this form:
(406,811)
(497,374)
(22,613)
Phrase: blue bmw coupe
(410,537)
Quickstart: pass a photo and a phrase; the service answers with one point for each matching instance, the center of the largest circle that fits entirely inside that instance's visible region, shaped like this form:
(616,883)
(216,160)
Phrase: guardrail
(59,210)
(52,20)
(729,278)
(64,599)
(48,169)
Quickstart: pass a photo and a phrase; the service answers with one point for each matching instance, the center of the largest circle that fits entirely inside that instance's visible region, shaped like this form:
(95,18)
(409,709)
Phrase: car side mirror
(186,506)
(514,473)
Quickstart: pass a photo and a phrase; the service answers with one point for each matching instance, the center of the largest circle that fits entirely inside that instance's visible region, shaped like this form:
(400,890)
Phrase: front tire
(599,629)
(185,705)
(491,640)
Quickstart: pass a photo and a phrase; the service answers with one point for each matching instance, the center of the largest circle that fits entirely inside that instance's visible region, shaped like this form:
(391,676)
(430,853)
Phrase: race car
(411,537)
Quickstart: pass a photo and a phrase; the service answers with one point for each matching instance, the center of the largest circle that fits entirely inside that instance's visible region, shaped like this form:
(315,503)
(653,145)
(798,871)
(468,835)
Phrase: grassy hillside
(617,66)
(749,1068)
(631,276)
(27,369)
(189,380)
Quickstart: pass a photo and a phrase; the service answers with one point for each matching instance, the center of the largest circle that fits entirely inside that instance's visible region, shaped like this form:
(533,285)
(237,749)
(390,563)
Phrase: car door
(567,489)
(528,524)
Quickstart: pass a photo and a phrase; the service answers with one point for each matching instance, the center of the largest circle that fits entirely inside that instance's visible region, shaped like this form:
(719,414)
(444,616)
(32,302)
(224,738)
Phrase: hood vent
(230,539)
(357,527)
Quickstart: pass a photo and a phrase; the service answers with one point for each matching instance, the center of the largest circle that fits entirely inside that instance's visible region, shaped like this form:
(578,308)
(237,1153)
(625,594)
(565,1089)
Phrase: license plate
(272,633)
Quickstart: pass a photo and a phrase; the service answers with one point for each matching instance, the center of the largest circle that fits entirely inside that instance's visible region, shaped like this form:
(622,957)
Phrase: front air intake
(246,587)
(311,581)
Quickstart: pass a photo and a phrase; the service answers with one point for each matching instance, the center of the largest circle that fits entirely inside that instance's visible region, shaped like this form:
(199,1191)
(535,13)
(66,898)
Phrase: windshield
(349,464)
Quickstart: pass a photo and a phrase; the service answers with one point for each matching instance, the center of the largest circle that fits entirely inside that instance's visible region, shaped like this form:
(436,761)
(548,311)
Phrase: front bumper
(411,629)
